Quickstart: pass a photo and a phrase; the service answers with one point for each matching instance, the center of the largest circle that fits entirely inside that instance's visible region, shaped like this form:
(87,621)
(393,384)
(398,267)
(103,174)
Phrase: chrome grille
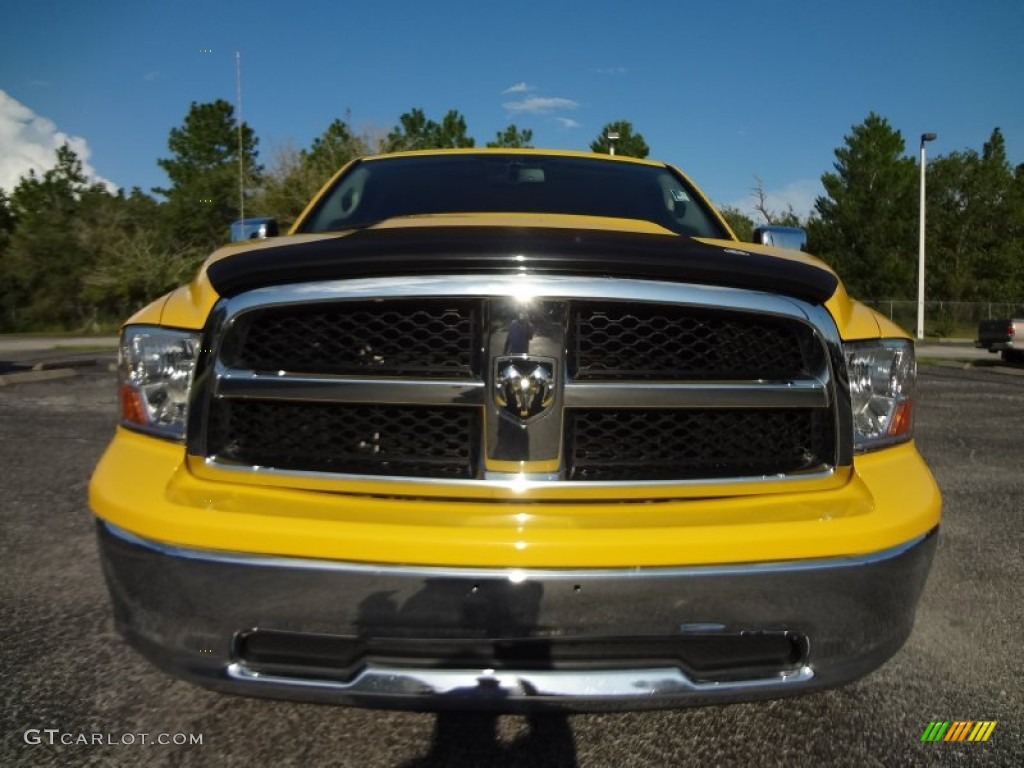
(394,378)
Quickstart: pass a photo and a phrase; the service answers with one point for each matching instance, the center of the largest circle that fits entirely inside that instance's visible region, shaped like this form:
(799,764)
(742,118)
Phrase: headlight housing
(155,367)
(882,376)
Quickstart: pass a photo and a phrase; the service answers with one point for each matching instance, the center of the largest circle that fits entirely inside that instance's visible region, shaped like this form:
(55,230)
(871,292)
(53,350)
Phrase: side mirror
(781,237)
(253,229)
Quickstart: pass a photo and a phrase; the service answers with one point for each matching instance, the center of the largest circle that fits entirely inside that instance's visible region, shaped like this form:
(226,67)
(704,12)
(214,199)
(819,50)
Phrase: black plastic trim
(536,250)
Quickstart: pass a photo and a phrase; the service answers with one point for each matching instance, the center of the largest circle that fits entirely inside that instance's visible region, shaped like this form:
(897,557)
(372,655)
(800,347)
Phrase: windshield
(382,188)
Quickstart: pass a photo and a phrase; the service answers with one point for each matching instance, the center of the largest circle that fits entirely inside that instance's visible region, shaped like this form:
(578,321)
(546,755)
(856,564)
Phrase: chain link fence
(946,319)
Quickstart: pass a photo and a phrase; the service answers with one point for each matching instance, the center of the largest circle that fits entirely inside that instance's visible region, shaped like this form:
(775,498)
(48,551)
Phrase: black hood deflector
(503,250)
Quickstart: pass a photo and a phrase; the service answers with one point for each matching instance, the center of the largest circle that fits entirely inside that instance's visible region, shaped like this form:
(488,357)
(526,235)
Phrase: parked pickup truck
(1005,336)
(515,429)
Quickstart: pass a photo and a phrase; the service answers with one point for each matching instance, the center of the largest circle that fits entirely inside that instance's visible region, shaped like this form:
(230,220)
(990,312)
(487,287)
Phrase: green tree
(286,187)
(6,218)
(415,131)
(629,143)
(80,257)
(295,176)
(1015,232)
(1000,265)
(513,138)
(203,197)
(44,260)
(8,293)
(335,147)
(786,218)
(951,205)
(974,227)
(741,224)
(866,224)
(132,263)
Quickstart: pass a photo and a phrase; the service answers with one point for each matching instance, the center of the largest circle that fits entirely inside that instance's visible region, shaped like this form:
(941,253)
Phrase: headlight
(155,373)
(882,376)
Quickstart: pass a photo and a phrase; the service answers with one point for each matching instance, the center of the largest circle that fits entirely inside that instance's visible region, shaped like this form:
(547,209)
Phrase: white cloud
(151,77)
(28,141)
(799,194)
(611,71)
(567,122)
(540,105)
(518,88)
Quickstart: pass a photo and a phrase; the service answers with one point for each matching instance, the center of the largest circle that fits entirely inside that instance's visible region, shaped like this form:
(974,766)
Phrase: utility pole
(925,137)
(241,154)
(612,137)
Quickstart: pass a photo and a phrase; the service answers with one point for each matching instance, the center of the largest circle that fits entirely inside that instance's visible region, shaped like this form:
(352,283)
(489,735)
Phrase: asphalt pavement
(75,694)
(21,356)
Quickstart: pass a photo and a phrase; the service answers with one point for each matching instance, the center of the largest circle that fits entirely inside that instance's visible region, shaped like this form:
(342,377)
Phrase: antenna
(241,155)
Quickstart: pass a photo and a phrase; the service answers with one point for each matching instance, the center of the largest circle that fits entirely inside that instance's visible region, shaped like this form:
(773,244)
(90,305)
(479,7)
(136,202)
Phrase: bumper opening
(703,657)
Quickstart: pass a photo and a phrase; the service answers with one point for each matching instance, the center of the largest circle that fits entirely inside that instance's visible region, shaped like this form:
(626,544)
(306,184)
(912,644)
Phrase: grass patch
(87,347)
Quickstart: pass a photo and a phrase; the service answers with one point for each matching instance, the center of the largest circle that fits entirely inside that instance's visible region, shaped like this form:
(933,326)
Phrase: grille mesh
(326,437)
(667,342)
(446,337)
(665,444)
(384,338)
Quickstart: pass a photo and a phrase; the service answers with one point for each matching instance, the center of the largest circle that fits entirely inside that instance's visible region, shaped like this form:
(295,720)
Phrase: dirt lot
(64,668)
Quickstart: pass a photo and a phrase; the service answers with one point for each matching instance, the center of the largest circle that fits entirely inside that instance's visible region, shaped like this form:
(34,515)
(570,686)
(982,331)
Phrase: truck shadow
(477,625)
(472,739)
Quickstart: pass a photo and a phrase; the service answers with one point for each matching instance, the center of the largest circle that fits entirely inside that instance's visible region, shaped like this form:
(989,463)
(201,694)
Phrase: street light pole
(612,137)
(925,137)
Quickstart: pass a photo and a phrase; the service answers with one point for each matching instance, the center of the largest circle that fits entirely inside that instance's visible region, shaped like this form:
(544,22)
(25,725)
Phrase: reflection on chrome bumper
(511,639)
(543,686)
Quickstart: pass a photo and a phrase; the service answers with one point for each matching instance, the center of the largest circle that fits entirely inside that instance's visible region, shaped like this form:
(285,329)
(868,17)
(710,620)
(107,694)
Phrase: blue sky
(727,90)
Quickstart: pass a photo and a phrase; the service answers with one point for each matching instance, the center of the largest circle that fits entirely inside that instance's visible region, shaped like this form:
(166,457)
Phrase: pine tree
(415,131)
(629,144)
(512,137)
(203,197)
(866,224)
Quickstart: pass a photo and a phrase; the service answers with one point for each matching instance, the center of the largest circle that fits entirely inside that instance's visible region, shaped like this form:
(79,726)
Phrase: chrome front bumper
(271,626)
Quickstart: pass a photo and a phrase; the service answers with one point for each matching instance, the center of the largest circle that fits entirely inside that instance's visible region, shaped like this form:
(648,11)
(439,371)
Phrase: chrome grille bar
(803,393)
(346,389)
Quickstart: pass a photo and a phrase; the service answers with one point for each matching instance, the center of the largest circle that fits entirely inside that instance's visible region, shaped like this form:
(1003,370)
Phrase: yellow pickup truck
(515,430)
